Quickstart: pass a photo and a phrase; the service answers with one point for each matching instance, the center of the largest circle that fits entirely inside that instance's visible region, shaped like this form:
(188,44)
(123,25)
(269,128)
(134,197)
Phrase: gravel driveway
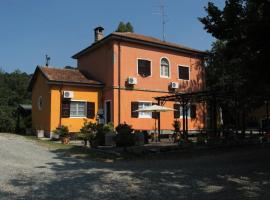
(29,171)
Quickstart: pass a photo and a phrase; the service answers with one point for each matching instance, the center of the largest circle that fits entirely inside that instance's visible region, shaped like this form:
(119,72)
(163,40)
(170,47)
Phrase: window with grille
(164,68)
(78,109)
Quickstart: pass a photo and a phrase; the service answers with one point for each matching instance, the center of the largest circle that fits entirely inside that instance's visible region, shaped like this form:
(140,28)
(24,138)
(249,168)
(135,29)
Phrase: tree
(241,54)
(13,90)
(122,27)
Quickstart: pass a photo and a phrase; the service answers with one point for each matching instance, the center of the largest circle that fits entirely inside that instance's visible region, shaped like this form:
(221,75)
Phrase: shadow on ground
(244,174)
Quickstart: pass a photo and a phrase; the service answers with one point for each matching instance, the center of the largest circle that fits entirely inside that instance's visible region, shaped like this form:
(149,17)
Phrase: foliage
(238,58)
(62,131)
(122,27)
(176,125)
(88,132)
(102,129)
(13,90)
(124,137)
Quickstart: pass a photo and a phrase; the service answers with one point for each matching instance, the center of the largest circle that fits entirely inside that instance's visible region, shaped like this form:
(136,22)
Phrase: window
(78,109)
(164,68)
(40,103)
(142,105)
(144,67)
(191,111)
(183,72)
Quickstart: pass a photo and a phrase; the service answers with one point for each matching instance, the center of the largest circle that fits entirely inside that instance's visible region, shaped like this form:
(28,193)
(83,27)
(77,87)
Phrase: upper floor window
(144,67)
(183,72)
(164,68)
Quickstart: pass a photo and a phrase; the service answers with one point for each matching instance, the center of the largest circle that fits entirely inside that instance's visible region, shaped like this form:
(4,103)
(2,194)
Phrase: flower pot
(65,140)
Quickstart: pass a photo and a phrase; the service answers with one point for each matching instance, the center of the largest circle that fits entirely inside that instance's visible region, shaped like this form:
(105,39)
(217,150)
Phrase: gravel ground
(29,171)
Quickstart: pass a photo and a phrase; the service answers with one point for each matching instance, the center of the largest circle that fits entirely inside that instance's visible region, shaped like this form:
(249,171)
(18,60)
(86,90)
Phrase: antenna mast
(163,17)
(47,60)
(162,12)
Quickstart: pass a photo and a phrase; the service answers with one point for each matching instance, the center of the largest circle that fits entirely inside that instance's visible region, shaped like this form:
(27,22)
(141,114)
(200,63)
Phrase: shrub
(62,131)
(124,137)
(102,129)
(88,133)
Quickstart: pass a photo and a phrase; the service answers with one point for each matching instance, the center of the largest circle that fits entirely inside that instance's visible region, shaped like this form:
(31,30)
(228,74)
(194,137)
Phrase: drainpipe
(119,82)
(61,99)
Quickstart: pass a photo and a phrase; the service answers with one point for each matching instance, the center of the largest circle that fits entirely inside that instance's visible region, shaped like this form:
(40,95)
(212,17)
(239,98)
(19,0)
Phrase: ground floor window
(191,111)
(142,105)
(78,109)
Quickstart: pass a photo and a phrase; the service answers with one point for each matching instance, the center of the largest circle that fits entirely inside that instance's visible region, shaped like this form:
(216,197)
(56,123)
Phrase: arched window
(164,68)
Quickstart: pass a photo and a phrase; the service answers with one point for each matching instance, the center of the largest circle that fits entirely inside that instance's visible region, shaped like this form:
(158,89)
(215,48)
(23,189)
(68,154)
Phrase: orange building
(131,69)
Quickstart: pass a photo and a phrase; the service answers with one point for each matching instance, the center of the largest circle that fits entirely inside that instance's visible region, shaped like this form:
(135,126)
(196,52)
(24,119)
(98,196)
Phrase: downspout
(119,82)
(61,99)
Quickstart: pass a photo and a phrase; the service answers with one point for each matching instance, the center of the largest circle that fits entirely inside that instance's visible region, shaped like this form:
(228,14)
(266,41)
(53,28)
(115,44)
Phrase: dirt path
(29,171)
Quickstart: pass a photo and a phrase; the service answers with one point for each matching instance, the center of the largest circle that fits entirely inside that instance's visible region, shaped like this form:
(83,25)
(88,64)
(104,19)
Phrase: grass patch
(69,150)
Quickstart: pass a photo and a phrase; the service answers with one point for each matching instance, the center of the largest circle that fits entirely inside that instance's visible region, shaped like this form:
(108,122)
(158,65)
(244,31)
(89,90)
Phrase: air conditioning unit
(132,81)
(174,85)
(68,94)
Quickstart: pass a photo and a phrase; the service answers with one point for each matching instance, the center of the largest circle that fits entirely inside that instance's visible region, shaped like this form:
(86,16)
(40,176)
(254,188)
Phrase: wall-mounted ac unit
(132,81)
(174,85)
(68,94)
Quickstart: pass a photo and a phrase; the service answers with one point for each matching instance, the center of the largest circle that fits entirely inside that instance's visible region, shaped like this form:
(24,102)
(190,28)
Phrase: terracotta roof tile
(133,37)
(66,75)
(154,40)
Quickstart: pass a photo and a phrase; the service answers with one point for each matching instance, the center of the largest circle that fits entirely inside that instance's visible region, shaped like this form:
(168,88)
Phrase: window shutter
(134,106)
(193,111)
(65,112)
(91,110)
(155,115)
(176,113)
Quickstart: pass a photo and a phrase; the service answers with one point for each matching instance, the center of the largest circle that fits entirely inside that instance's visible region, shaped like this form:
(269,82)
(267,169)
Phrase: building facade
(133,69)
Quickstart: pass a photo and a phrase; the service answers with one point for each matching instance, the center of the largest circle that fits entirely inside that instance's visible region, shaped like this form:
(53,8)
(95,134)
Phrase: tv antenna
(47,60)
(163,17)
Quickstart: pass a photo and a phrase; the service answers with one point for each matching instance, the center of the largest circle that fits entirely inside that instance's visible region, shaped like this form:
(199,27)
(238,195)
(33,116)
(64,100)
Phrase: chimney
(98,33)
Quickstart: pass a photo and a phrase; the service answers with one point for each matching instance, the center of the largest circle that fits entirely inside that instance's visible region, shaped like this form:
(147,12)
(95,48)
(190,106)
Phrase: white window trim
(78,117)
(181,116)
(105,110)
(150,67)
(140,117)
(161,76)
(179,65)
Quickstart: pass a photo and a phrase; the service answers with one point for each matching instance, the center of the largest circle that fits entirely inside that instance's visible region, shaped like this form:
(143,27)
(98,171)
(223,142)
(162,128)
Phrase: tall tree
(122,27)
(241,54)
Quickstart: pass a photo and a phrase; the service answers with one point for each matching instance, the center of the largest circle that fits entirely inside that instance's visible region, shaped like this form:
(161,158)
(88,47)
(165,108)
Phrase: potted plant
(88,133)
(176,125)
(63,133)
(124,137)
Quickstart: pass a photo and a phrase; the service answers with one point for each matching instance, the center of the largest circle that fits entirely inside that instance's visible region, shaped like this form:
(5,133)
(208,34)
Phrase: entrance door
(108,114)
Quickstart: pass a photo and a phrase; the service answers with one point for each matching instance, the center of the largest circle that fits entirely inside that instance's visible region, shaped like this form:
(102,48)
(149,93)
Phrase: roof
(64,76)
(141,39)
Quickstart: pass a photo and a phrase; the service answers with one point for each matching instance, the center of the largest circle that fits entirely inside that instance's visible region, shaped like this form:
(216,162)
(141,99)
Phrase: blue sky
(60,28)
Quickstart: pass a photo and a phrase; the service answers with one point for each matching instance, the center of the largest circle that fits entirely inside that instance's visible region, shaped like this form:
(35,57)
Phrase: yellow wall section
(41,118)
(80,93)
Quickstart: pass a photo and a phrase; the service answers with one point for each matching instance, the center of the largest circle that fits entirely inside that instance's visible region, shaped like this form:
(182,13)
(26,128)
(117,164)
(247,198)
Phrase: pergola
(185,99)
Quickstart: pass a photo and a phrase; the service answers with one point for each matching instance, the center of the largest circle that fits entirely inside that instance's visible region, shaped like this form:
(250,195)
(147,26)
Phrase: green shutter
(91,110)
(134,106)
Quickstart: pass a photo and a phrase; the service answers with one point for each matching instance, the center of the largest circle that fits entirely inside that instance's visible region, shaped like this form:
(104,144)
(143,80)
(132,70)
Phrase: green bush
(62,131)
(102,129)
(124,137)
(88,133)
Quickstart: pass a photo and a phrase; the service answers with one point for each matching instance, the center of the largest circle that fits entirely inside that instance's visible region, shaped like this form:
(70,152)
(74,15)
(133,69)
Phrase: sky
(30,29)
